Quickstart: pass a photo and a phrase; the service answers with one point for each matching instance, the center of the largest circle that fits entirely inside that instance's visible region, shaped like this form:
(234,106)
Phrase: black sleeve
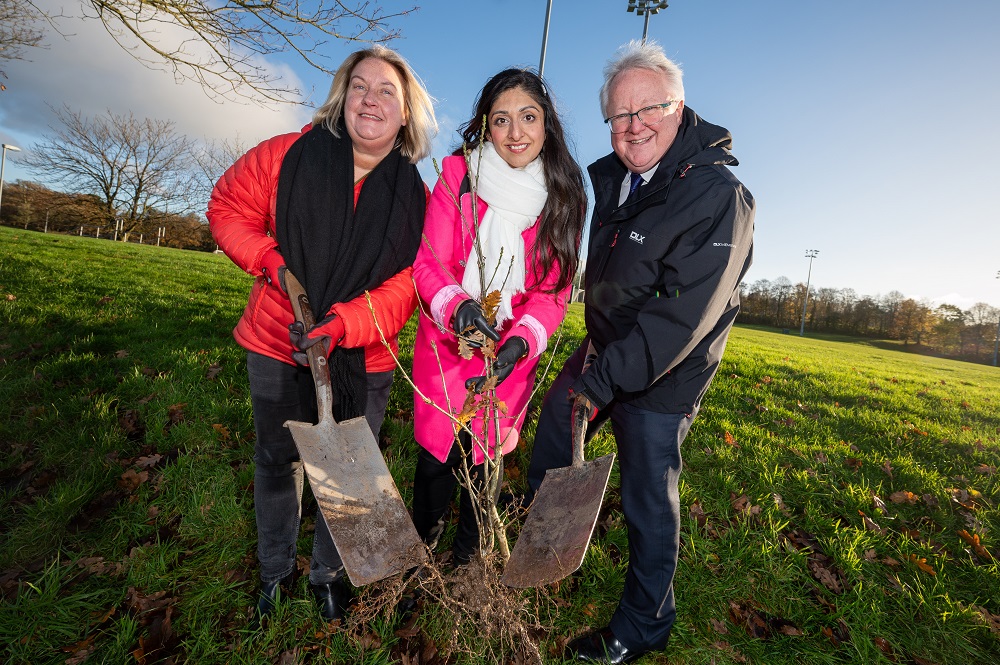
(702,271)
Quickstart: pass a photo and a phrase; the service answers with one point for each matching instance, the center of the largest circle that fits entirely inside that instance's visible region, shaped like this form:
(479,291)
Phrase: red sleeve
(241,209)
(393,303)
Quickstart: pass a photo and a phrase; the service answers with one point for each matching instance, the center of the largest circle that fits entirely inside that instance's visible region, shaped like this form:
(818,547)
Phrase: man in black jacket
(670,240)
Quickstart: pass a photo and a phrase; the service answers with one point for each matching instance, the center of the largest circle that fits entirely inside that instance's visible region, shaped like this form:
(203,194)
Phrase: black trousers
(649,458)
(433,491)
(281,392)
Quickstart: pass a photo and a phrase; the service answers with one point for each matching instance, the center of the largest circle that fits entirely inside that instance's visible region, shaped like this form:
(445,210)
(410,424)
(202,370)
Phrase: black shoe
(331,598)
(269,592)
(461,558)
(601,646)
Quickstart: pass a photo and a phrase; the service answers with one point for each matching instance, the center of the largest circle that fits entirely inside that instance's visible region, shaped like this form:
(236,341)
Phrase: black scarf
(338,251)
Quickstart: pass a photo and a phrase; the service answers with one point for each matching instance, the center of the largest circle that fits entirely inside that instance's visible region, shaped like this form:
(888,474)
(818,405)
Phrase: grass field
(840,500)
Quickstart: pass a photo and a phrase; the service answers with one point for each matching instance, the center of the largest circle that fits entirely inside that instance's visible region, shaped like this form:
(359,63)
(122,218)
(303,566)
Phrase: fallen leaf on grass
(992,620)
(213,371)
(11,297)
(730,440)
(718,626)
(921,563)
(780,503)
(131,423)
(148,461)
(853,463)
(121,353)
(175,414)
(973,540)
(930,500)
(887,467)
(986,469)
(904,496)
(223,432)
(826,577)
(838,634)
(131,479)
(728,648)
(742,505)
(886,648)
(870,524)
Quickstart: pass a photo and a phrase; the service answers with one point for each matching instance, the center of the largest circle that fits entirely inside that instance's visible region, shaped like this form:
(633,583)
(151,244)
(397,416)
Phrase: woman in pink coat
(530,206)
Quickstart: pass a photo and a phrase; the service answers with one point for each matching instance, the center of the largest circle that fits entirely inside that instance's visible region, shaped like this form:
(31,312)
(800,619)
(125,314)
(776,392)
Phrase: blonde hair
(642,55)
(421,125)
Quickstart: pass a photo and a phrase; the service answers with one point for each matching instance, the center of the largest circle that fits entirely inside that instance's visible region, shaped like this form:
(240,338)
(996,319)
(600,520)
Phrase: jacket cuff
(444,303)
(533,332)
(587,386)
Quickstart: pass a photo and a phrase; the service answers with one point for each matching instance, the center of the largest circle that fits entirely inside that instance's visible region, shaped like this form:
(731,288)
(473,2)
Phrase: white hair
(642,55)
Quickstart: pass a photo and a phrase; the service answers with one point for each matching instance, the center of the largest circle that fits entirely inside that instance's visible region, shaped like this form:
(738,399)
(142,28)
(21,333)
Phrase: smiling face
(642,147)
(516,127)
(374,110)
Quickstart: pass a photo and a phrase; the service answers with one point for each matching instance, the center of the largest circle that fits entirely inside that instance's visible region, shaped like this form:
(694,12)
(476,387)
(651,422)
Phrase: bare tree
(19,29)
(136,167)
(211,160)
(221,44)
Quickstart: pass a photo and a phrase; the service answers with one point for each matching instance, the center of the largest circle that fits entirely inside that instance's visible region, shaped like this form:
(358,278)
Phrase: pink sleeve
(436,270)
(537,318)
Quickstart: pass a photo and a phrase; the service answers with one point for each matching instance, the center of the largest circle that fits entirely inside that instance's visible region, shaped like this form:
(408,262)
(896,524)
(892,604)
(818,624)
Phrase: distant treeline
(32,206)
(944,330)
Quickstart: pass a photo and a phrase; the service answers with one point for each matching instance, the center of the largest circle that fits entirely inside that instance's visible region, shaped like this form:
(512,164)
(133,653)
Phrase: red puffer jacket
(241,217)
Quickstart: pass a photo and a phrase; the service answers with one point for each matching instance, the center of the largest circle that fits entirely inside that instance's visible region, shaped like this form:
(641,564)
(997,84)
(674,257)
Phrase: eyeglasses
(647,116)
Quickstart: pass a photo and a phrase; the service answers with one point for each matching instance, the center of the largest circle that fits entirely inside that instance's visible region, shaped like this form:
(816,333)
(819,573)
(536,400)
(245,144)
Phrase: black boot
(269,593)
(332,599)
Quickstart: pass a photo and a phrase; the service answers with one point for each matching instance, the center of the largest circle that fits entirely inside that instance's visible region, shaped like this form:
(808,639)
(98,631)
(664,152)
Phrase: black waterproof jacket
(663,273)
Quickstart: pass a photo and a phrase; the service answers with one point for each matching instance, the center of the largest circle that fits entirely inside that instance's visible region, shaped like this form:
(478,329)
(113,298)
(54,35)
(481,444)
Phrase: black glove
(469,314)
(507,356)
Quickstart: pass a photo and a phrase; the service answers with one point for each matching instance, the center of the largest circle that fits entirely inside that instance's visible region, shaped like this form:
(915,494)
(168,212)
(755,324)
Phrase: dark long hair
(562,219)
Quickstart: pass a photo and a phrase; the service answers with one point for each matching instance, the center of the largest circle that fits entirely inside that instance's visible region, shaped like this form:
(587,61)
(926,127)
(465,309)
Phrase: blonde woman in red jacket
(341,205)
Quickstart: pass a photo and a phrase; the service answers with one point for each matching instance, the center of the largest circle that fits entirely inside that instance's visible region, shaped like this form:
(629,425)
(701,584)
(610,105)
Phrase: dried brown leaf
(130,480)
(904,496)
(490,305)
(213,371)
(921,563)
(718,626)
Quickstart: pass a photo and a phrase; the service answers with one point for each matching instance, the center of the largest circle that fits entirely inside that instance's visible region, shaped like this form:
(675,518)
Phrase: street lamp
(645,8)
(810,254)
(3,161)
(545,38)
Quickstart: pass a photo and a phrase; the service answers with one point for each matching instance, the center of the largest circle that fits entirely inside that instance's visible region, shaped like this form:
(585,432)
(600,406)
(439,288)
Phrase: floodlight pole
(644,8)
(545,38)
(3,162)
(810,254)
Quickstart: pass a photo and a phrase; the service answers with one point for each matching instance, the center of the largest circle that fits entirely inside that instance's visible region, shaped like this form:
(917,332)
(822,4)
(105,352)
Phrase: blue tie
(634,186)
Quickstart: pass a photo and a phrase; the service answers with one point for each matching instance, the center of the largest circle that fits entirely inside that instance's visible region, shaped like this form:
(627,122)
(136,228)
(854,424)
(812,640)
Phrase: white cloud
(88,71)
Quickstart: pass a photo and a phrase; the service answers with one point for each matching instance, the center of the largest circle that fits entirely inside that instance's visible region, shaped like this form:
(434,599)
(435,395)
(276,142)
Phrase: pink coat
(438,277)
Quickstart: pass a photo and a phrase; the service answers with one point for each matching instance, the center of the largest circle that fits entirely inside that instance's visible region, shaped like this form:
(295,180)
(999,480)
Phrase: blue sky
(866,130)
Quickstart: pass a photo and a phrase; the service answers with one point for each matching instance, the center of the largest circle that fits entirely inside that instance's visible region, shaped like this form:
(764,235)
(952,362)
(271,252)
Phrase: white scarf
(515,198)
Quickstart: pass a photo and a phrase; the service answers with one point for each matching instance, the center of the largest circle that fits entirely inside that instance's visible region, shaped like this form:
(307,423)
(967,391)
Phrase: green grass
(126,500)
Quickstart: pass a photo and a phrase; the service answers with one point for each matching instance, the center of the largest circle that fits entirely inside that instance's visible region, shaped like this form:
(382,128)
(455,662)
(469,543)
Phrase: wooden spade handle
(317,359)
(581,412)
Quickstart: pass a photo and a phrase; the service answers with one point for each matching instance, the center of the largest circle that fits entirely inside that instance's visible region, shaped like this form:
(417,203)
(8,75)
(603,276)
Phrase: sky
(865,130)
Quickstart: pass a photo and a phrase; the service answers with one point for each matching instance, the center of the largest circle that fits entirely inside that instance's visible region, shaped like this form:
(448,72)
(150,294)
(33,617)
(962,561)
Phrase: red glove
(329,332)
(272,265)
